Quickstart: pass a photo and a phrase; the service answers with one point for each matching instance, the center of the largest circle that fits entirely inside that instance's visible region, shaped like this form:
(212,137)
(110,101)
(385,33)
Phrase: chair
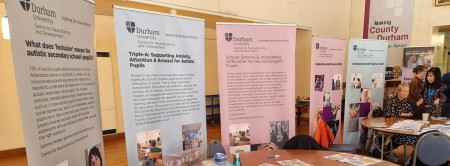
(304,142)
(326,138)
(346,148)
(432,148)
(215,147)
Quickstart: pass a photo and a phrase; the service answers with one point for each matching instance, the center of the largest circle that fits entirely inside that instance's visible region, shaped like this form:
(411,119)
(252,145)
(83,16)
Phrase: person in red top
(323,134)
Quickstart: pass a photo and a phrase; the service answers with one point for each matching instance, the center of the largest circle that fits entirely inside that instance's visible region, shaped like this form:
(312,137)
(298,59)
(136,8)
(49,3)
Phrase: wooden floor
(115,150)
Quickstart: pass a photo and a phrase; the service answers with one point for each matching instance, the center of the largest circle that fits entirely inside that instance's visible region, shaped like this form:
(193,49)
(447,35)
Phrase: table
(314,157)
(390,121)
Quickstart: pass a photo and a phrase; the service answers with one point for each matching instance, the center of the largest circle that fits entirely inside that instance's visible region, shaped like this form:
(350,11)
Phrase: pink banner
(256,83)
(326,85)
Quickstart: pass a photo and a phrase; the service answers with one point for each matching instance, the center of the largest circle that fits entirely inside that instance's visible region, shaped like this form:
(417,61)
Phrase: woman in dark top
(400,106)
(416,83)
(431,93)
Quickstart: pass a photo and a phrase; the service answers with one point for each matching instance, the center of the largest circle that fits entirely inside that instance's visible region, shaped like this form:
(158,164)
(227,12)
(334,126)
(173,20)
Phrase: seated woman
(400,106)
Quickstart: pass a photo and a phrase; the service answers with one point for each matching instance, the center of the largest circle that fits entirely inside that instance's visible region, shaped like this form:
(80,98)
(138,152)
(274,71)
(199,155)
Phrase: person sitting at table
(431,92)
(400,106)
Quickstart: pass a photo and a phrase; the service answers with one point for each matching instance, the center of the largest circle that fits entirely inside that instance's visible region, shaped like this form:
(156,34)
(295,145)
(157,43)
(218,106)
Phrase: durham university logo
(228,36)
(317,46)
(355,47)
(25,4)
(130,26)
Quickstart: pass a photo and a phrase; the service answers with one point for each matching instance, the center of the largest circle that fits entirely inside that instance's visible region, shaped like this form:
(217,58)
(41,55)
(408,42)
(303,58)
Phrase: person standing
(431,93)
(416,84)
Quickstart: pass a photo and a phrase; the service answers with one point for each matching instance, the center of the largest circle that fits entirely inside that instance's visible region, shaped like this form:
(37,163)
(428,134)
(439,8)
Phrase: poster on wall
(365,84)
(390,20)
(56,73)
(413,56)
(256,83)
(161,67)
(327,61)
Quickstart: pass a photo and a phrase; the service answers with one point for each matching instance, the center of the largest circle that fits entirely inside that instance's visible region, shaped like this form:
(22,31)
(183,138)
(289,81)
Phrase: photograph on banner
(335,119)
(319,83)
(192,136)
(336,82)
(413,56)
(239,136)
(377,80)
(94,156)
(365,95)
(356,80)
(150,145)
(354,117)
(327,99)
(279,132)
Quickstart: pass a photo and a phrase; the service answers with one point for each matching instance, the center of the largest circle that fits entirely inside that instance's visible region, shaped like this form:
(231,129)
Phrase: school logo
(130,26)
(355,47)
(25,4)
(317,46)
(228,36)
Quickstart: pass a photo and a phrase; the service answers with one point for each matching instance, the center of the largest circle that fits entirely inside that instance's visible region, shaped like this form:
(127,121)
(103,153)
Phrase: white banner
(365,84)
(56,73)
(161,66)
(390,20)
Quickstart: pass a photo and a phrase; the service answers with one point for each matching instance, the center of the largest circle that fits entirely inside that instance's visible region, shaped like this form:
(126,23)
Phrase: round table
(390,121)
(314,157)
(385,131)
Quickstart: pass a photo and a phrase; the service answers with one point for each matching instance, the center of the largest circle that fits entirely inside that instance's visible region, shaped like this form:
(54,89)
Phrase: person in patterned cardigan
(400,106)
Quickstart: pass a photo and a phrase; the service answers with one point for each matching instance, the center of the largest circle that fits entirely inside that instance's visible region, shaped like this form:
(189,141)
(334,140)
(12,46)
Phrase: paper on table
(353,159)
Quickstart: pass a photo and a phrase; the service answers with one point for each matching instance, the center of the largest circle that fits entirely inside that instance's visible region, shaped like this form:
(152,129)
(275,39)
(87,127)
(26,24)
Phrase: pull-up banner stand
(162,79)
(56,73)
(327,65)
(256,84)
(365,84)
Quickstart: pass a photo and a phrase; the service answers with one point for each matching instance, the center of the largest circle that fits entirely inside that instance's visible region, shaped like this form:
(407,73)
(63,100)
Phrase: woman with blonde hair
(399,105)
